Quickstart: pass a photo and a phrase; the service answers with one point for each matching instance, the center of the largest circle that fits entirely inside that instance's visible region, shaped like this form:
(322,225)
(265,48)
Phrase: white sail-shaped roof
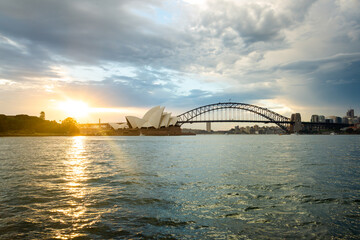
(134,122)
(173,121)
(165,120)
(149,113)
(155,118)
(147,125)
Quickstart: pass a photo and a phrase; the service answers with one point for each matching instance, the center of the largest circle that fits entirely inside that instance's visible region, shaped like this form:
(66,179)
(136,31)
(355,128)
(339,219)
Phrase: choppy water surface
(190,187)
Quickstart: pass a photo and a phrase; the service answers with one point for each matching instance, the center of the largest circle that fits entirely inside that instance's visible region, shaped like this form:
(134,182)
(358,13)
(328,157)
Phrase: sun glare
(83,112)
(75,109)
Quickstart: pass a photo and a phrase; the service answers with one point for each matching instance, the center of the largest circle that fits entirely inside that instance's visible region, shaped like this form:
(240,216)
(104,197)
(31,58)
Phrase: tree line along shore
(24,125)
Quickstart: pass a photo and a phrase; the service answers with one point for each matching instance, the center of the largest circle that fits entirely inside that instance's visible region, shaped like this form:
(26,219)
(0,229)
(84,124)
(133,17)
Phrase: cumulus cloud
(251,21)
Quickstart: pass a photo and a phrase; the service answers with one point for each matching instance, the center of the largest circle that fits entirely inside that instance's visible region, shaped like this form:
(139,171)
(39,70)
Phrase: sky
(111,58)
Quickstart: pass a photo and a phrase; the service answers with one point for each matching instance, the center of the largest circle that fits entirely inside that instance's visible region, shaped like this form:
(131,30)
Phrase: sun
(74,108)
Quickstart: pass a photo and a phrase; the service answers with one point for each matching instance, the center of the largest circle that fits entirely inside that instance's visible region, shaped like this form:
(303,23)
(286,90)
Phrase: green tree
(42,115)
(70,126)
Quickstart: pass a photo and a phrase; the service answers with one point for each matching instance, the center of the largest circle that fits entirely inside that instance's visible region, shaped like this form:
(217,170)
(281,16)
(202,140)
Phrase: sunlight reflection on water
(75,167)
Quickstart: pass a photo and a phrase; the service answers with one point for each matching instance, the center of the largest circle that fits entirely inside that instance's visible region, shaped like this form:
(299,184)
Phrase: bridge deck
(254,121)
(265,121)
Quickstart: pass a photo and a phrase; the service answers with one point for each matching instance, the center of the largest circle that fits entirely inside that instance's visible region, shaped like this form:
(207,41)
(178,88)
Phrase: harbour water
(188,187)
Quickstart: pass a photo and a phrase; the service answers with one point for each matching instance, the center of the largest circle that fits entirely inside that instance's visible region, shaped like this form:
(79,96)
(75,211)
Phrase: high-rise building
(335,119)
(314,118)
(350,113)
(329,120)
(338,120)
(322,118)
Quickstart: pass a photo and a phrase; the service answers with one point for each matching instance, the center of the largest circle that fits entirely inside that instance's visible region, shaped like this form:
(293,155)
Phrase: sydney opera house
(154,122)
(154,118)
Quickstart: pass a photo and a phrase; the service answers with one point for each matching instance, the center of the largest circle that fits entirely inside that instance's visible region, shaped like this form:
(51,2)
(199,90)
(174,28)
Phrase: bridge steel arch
(270,116)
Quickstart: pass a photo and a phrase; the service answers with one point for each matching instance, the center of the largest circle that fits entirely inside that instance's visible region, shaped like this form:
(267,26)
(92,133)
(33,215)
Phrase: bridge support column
(296,125)
(208,126)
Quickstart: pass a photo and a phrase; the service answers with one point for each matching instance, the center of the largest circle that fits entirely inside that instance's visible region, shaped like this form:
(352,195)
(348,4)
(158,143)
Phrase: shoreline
(94,135)
(86,135)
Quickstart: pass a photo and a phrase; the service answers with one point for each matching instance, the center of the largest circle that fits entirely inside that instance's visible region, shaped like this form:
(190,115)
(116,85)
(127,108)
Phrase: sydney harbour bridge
(247,113)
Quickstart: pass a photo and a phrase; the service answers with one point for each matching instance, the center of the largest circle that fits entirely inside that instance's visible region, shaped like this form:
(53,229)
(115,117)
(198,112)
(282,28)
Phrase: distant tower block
(42,115)
(350,113)
(208,126)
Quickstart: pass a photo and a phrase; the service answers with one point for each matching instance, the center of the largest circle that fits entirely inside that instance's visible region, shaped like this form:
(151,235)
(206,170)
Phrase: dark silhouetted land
(24,125)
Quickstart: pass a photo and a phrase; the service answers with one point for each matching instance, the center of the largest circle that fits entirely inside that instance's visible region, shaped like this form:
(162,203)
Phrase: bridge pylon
(208,126)
(295,125)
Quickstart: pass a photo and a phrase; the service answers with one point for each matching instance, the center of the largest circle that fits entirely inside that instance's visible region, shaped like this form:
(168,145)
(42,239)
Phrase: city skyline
(115,58)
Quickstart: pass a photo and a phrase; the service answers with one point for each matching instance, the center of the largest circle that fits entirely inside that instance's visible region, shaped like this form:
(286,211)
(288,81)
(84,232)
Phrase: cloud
(251,21)
(89,31)
(175,53)
(327,81)
(338,61)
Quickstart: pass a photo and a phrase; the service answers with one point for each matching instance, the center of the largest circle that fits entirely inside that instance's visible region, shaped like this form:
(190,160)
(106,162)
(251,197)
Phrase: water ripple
(203,187)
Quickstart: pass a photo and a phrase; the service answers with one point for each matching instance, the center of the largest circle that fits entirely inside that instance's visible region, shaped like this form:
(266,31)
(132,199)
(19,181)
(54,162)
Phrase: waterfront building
(321,118)
(338,120)
(314,118)
(117,126)
(345,120)
(154,118)
(335,119)
(350,113)
(329,120)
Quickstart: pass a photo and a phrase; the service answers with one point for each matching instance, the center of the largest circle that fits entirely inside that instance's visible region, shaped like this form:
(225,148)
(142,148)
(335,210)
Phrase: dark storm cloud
(334,80)
(338,61)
